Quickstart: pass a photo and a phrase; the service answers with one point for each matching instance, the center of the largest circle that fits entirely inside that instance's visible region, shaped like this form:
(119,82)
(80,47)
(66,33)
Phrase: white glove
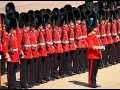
(0,57)
(103,47)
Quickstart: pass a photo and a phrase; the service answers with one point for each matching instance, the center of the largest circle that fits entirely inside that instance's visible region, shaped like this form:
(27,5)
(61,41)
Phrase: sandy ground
(108,78)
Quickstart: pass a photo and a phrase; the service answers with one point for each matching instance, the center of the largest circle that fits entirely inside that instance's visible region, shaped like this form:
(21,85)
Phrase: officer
(49,47)
(94,50)
(10,50)
(41,50)
(57,45)
(25,51)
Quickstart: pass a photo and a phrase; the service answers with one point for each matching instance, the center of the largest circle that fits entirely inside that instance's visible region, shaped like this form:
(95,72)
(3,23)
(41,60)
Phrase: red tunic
(92,41)
(10,45)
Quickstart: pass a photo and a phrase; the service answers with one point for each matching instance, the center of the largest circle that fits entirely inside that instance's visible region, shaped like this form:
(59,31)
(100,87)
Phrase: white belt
(49,42)
(41,43)
(34,45)
(15,49)
(65,42)
(103,35)
(79,37)
(27,45)
(114,33)
(109,34)
(57,42)
(84,36)
(98,35)
(72,39)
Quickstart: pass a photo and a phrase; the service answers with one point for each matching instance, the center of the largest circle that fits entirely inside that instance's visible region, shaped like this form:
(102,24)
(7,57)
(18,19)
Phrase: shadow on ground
(80,83)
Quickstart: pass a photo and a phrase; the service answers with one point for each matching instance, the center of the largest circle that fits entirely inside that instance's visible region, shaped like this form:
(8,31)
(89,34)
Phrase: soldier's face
(27,28)
(78,21)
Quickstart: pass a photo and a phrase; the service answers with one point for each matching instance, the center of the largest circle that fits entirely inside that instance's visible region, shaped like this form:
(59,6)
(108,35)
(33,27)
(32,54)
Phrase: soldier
(114,37)
(41,49)
(94,53)
(78,37)
(2,35)
(34,48)
(10,50)
(49,47)
(65,43)
(57,45)
(103,35)
(26,52)
(118,32)
(72,45)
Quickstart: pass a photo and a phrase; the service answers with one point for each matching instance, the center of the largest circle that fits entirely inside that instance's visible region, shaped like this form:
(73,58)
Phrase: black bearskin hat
(101,14)
(48,11)
(10,23)
(55,11)
(31,12)
(62,10)
(68,7)
(70,17)
(111,15)
(37,12)
(32,21)
(63,18)
(55,20)
(77,15)
(91,22)
(9,7)
(46,19)
(38,20)
(16,13)
(24,20)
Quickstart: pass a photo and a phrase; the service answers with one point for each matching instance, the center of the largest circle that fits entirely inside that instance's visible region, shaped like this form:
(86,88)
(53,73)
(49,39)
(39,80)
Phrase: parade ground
(108,78)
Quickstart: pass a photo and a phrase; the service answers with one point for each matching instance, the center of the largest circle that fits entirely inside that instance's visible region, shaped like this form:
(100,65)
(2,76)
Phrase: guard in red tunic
(114,37)
(2,35)
(49,47)
(57,45)
(65,43)
(26,52)
(78,41)
(34,48)
(72,45)
(41,49)
(10,50)
(117,11)
(94,50)
(102,28)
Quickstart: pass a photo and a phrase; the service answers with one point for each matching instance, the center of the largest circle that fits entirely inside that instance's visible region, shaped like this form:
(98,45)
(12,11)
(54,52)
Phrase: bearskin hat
(91,22)
(10,23)
(68,7)
(62,10)
(9,7)
(70,17)
(63,18)
(77,15)
(38,20)
(46,19)
(55,20)
(24,20)
(16,14)
(32,21)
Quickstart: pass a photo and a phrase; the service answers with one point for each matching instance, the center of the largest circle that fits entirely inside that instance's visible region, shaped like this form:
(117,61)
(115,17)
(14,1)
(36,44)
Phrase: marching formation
(46,45)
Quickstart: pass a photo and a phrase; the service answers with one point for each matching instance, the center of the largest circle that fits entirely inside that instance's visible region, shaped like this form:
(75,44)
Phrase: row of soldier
(52,44)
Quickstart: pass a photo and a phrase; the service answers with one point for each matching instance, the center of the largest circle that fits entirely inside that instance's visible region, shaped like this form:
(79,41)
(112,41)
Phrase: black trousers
(28,71)
(56,65)
(84,61)
(72,57)
(67,63)
(112,53)
(2,60)
(93,69)
(48,66)
(40,69)
(118,52)
(76,61)
(11,75)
